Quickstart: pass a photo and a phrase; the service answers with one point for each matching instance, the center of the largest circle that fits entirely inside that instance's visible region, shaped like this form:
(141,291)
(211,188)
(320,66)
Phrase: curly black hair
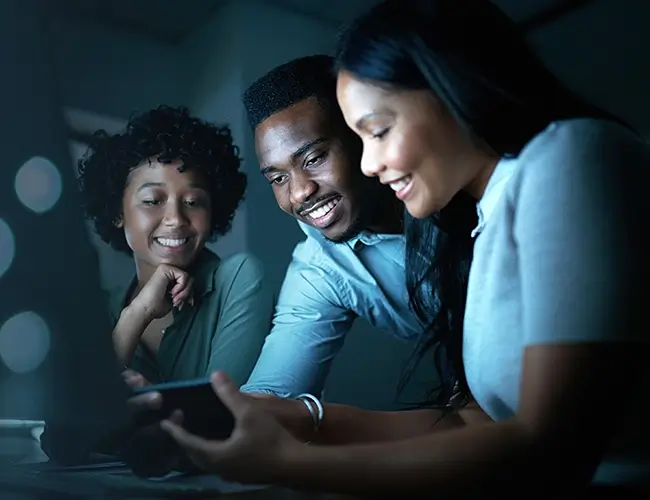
(166,134)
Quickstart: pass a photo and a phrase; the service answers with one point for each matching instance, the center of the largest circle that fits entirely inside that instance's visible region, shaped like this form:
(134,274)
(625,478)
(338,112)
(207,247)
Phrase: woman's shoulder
(240,266)
(581,151)
(580,141)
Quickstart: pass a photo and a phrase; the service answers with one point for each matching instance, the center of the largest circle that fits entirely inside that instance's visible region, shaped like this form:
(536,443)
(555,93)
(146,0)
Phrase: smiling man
(352,262)
(311,162)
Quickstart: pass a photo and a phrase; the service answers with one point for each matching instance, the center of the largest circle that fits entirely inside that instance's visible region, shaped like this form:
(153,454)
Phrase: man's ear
(119,222)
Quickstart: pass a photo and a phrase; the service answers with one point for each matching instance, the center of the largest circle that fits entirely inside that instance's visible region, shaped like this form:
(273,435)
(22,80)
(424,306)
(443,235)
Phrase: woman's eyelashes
(189,202)
(381,133)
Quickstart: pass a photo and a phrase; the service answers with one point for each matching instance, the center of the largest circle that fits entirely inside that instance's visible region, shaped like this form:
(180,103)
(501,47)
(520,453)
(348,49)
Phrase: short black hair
(165,134)
(290,83)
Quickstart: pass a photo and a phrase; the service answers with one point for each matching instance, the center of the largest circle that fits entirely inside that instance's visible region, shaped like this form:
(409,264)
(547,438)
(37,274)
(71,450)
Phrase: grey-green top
(223,330)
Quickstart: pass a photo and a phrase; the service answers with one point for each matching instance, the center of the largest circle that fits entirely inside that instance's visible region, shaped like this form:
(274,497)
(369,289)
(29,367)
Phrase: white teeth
(172,242)
(401,183)
(324,210)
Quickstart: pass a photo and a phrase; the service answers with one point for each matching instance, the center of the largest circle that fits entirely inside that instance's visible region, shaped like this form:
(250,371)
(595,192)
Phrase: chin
(421,210)
(181,261)
(418,212)
(342,233)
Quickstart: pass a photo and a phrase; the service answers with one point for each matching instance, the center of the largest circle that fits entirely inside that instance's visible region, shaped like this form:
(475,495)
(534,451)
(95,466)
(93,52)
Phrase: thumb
(176,417)
(228,393)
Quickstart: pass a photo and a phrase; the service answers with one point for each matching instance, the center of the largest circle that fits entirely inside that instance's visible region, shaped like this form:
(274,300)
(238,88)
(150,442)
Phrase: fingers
(182,295)
(181,292)
(180,280)
(198,449)
(149,401)
(176,417)
(128,374)
(181,285)
(134,379)
(228,393)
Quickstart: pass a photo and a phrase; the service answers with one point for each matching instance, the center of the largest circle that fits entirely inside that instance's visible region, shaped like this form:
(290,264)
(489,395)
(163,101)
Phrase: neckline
(493,191)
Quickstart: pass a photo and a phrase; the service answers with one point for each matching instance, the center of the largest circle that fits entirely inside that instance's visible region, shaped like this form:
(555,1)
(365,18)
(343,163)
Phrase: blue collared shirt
(327,286)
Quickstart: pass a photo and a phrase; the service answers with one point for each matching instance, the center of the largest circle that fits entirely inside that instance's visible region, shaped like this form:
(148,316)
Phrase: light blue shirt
(326,287)
(553,261)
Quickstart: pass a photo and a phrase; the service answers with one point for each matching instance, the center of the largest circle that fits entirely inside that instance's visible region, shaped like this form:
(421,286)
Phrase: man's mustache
(309,204)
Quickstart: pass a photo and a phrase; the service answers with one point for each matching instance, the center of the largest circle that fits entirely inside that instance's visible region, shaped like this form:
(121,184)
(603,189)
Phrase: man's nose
(302,187)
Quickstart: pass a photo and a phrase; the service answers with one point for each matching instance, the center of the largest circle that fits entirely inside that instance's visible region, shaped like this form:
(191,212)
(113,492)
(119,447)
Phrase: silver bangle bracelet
(316,414)
(312,412)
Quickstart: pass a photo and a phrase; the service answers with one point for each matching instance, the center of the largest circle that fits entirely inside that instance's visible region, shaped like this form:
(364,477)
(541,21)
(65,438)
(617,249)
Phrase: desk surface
(21,477)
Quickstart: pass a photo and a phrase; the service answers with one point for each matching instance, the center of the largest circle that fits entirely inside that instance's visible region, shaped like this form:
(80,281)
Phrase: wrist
(135,313)
(314,408)
(304,421)
(293,415)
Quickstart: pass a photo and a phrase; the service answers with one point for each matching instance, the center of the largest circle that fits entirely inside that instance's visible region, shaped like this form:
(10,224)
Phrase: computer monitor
(56,357)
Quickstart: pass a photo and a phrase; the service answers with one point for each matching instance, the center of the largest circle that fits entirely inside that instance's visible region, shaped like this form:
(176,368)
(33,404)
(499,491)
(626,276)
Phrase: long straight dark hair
(476,61)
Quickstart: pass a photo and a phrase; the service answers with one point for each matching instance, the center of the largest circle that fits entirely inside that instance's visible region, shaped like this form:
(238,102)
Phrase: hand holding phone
(204,413)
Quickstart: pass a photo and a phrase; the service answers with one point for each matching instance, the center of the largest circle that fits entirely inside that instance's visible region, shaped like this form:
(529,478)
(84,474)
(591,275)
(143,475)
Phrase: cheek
(130,240)
(281,194)
(140,222)
(435,189)
(340,179)
(134,235)
(136,222)
(137,227)
(202,221)
(399,155)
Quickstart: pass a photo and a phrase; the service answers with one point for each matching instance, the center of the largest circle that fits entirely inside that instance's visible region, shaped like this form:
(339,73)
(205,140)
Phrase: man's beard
(353,230)
(374,195)
(360,222)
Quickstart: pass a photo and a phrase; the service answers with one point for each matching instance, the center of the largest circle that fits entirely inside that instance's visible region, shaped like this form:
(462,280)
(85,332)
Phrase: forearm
(296,357)
(348,425)
(459,463)
(128,331)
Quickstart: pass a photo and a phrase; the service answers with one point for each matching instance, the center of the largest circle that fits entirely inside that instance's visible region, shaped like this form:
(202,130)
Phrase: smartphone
(204,413)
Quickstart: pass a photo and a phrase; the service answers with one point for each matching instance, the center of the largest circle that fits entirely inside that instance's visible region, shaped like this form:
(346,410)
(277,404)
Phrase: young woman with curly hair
(159,191)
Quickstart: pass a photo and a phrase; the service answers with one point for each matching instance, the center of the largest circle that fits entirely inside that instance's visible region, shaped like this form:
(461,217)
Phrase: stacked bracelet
(315,408)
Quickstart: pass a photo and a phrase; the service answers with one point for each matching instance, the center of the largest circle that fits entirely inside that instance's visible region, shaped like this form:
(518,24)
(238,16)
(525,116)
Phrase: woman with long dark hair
(526,255)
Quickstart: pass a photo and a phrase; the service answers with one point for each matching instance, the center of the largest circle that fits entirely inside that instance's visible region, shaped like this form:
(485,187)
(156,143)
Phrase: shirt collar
(203,272)
(363,238)
(369,238)
(493,191)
